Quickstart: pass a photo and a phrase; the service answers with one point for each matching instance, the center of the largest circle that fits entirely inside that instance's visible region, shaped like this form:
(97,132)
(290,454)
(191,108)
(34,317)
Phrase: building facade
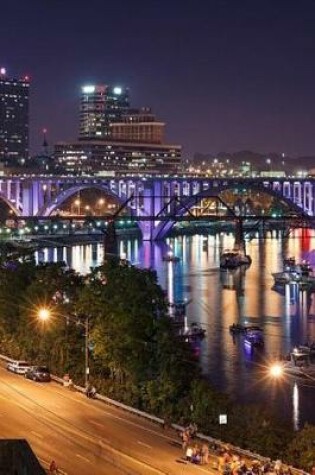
(115,137)
(100,106)
(93,157)
(138,126)
(14,118)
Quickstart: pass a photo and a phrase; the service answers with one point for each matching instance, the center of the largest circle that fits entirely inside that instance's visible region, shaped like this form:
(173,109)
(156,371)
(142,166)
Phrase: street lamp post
(44,314)
(87,367)
(77,202)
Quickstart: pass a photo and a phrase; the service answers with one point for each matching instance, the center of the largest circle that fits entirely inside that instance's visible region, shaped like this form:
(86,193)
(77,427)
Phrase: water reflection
(220,299)
(296,409)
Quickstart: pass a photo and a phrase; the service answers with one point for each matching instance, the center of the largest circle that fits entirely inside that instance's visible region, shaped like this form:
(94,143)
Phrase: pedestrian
(278,466)
(189,454)
(186,440)
(53,469)
(204,454)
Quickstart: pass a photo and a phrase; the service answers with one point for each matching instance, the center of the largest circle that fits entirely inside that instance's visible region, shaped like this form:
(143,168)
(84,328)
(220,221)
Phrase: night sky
(226,75)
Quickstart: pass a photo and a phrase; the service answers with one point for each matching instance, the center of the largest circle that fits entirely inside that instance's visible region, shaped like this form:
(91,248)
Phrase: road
(86,437)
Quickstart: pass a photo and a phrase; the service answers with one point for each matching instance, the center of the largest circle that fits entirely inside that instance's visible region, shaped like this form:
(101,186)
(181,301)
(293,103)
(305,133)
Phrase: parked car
(19,367)
(38,373)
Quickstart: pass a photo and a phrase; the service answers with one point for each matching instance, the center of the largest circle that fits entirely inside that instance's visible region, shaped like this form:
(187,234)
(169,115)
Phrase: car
(18,366)
(38,373)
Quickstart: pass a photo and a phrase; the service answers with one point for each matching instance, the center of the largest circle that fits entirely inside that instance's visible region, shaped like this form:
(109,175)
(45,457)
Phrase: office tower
(114,137)
(14,118)
(100,106)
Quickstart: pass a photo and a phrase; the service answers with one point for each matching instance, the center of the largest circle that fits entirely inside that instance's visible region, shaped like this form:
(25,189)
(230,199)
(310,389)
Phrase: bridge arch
(64,195)
(164,227)
(15,211)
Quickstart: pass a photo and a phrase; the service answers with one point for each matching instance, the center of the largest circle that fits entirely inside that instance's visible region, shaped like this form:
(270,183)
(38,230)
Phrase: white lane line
(83,458)
(36,434)
(96,423)
(144,445)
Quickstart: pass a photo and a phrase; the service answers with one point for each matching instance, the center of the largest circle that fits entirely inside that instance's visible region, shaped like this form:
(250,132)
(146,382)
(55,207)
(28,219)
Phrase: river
(220,298)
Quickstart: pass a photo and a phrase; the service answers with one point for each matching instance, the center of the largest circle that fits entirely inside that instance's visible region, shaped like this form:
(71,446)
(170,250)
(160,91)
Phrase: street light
(44,314)
(276,370)
(77,202)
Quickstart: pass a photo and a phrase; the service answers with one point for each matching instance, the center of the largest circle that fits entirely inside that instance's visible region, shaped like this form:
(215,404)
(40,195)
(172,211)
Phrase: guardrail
(177,427)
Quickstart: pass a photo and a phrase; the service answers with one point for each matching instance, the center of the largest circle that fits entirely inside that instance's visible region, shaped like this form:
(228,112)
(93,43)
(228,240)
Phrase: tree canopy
(136,356)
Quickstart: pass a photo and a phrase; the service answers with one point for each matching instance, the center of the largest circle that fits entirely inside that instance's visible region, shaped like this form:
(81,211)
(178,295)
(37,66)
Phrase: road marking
(96,423)
(144,445)
(36,434)
(83,458)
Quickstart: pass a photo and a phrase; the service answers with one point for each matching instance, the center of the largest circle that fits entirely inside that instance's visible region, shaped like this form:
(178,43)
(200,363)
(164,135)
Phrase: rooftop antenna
(45,143)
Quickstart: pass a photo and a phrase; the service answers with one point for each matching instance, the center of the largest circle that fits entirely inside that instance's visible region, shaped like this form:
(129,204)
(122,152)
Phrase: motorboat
(293,273)
(308,348)
(169,257)
(239,328)
(254,339)
(304,268)
(293,277)
(300,364)
(286,277)
(194,330)
(231,259)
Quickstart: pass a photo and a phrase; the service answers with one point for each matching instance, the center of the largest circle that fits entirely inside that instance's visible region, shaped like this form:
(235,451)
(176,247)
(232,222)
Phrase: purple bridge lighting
(161,198)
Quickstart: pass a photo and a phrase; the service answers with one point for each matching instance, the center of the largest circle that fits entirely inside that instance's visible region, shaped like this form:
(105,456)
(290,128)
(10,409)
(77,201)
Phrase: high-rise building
(14,118)
(115,137)
(100,106)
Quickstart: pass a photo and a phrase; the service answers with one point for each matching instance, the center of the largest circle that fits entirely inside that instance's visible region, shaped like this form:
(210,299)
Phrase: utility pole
(87,369)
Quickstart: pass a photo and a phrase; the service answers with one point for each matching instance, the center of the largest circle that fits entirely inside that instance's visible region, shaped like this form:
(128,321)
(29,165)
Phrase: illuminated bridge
(157,203)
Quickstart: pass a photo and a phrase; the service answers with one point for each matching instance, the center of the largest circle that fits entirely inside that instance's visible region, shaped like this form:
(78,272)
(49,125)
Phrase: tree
(301,450)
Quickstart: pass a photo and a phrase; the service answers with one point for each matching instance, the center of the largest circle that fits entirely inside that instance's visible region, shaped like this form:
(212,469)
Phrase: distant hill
(259,161)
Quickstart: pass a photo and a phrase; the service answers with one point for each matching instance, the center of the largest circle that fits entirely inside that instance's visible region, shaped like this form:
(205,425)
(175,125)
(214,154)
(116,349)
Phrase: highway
(86,437)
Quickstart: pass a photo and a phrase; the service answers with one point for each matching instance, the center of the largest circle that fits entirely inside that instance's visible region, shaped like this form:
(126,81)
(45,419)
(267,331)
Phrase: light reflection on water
(221,298)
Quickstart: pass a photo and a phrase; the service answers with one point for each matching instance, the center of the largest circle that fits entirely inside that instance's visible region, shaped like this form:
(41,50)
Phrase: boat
(239,328)
(300,364)
(231,259)
(254,339)
(293,273)
(194,330)
(308,348)
(169,257)
(286,277)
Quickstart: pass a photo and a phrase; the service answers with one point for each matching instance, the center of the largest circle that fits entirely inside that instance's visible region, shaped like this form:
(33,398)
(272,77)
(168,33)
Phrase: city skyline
(225,77)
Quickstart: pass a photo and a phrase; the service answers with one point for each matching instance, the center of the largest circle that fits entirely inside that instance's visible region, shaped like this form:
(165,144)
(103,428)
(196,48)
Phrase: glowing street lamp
(44,314)
(276,370)
(77,203)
